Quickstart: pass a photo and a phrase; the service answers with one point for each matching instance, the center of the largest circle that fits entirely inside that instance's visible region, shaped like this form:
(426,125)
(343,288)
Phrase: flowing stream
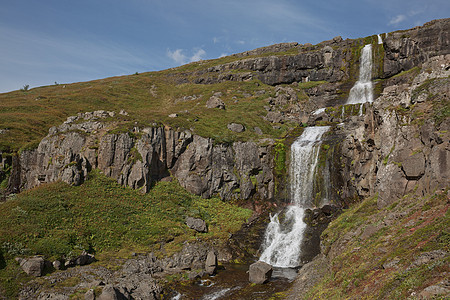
(283,239)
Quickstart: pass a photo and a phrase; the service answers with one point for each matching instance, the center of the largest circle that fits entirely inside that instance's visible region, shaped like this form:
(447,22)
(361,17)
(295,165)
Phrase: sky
(62,41)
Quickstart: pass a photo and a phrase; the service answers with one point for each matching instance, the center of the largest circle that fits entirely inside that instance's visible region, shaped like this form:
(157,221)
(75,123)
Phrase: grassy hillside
(392,253)
(26,115)
(58,220)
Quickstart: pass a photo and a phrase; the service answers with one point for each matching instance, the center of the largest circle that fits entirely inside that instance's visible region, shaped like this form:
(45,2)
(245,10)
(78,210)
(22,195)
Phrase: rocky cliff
(141,156)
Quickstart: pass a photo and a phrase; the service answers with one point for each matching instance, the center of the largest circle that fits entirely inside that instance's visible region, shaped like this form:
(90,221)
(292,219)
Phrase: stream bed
(231,282)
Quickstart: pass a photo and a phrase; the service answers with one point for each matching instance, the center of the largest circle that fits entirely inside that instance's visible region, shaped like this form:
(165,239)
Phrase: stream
(231,282)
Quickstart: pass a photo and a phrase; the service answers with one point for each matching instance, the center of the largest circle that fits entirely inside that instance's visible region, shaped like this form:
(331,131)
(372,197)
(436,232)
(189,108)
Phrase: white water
(282,241)
(362,91)
(380,40)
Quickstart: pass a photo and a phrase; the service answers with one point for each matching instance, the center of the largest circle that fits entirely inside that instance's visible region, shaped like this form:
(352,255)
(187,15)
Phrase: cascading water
(282,242)
(380,40)
(362,91)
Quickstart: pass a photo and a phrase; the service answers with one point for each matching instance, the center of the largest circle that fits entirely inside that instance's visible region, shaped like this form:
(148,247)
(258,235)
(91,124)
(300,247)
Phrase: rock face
(260,272)
(144,155)
(332,60)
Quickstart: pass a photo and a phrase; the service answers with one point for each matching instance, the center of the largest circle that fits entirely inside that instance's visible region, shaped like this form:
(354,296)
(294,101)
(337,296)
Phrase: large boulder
(260,272)
(33,266)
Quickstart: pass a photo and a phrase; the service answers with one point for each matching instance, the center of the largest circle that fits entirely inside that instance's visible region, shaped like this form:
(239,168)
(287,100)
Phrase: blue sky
(48,41)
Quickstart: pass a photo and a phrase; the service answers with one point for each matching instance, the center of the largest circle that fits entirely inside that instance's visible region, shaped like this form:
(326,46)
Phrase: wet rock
(260,272)
(211,263)
(33,266)
(196,224)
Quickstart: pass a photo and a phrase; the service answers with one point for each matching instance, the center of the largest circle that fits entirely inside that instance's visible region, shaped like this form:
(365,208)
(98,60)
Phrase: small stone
(196,224)
(56,264)
(173,115)
(236,127)
(258,131)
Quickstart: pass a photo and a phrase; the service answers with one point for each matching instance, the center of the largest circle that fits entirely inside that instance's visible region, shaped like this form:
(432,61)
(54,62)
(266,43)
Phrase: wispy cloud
(177,56)
(180,58)
(198,55)
(397,19)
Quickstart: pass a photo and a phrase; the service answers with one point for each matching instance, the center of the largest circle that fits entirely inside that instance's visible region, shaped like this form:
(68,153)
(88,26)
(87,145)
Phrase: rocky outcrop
(139,157)
(334,60)
(408,48)
(399,144)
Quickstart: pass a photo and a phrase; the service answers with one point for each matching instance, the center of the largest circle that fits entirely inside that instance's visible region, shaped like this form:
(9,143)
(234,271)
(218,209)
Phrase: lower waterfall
(283,239)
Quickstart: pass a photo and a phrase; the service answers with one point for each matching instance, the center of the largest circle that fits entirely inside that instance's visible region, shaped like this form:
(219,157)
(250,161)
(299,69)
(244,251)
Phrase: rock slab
(260,272)
(211,263)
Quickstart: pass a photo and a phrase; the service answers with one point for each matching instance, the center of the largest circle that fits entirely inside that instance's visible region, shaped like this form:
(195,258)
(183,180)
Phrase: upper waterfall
(362,91)
(380,40)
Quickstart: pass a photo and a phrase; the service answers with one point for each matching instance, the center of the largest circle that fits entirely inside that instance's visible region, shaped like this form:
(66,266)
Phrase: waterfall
(283,239)
(380,40)
(362,91)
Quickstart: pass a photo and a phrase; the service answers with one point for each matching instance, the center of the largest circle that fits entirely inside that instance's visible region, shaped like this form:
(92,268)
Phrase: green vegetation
(310,84)
(148,98)
(280,157)
(58,220)
(384,264)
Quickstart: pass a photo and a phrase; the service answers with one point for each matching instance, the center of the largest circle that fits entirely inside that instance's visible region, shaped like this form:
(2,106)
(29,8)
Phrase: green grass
(148,98)
(58,220)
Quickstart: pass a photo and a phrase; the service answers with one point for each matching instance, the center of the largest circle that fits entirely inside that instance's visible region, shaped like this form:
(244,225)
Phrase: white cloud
(223,55)
(198,55)
(180,58)
(397,19)
(177,56)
